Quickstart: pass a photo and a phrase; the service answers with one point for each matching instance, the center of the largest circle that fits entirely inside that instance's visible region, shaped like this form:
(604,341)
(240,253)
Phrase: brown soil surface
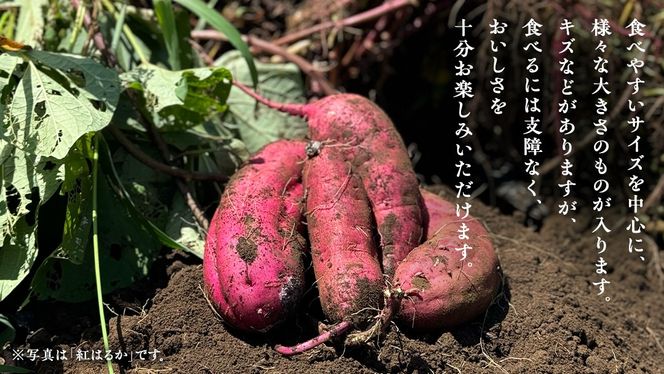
(548,319)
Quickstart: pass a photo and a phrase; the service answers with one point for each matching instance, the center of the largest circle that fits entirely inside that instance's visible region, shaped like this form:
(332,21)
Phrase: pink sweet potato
(252,268)
(423,267)
(372,144)
(344,256)
(439,212)
(383,164)
(444,290)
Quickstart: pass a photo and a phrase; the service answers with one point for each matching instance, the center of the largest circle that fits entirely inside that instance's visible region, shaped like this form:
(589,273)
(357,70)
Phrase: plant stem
(387,7)
(127,31)
(377,12)
(141,156)
(304,65)
(269,47)
(78,26)
(95,247)
(117,31)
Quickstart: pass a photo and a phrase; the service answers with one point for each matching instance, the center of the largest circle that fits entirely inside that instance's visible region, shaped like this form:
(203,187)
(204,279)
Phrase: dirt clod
(247,250)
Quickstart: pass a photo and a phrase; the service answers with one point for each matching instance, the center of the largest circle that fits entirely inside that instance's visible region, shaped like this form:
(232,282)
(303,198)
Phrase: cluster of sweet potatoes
(381,247)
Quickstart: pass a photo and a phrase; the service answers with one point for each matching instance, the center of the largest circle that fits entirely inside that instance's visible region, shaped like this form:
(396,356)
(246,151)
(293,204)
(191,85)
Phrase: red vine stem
(269,47)
(292,109)
(385,8)
(388,6)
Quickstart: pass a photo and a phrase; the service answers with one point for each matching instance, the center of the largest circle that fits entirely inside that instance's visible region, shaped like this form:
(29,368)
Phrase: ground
(547,319)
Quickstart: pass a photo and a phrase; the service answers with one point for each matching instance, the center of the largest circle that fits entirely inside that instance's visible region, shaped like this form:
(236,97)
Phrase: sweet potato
(422,300)
(252,268)
(344,256)
(439,212)
(375,148)
(444,290)
(383,164)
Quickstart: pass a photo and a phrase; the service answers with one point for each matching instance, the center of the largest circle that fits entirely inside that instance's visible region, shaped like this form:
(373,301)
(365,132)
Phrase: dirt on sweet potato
(247,250)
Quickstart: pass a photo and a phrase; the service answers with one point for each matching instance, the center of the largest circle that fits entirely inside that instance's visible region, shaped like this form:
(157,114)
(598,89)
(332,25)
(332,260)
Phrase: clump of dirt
(247,250)
(547,319)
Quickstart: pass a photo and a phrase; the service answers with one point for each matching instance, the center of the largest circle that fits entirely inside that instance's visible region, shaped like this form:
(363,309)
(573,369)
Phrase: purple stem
(292,109)
(336,330)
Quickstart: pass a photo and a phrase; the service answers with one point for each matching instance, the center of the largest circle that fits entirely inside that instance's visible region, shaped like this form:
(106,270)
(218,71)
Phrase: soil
(548,318)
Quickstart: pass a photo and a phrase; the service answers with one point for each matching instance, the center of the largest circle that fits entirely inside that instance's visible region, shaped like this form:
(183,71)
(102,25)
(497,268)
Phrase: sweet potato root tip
(336,330)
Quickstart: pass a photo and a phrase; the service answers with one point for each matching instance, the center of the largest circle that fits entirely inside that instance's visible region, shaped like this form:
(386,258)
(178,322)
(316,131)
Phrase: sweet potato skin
(448,291)
(344,255)
(373,145)
(438,212)
(253,266)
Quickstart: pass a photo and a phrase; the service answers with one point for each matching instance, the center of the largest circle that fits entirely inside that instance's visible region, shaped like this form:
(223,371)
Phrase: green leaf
(8,64)
(116,183)
(59,98)
(181,99)
(182,227)
(77,186)
(130,47)
(222,25)
(117,29)
(7,331)
(8,23)
(30,25)
(17,255)
(26,179)
(166,18)
(259,125)
(147,188)
(126,252)
(187,53)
